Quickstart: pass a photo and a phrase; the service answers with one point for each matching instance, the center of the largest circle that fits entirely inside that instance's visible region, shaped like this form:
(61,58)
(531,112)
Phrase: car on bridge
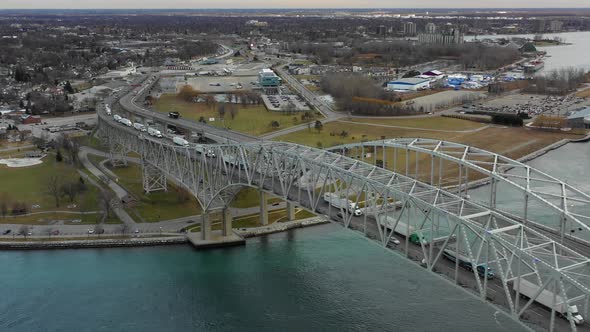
(173,115)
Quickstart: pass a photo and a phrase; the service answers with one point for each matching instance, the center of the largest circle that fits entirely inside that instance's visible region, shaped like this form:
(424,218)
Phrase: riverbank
(243,233)
(81,244)
(281,227)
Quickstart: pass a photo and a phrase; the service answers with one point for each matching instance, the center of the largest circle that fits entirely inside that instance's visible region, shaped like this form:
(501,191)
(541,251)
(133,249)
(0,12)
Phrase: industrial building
(579,119)
(409,84)
(454,37)
(268,79)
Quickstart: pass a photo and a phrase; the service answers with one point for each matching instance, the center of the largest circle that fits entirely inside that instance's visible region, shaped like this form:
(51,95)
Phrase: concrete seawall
(159,241)
(280,227)
(81,244)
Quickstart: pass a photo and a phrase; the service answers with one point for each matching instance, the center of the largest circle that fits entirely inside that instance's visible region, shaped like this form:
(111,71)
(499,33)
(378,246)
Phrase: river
(320,278)
(574,55)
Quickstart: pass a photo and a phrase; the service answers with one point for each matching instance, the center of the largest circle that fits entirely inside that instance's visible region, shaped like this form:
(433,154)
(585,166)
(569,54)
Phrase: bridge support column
(290,211)
(153,178)
(227,222)
(263,209)
(117,155)
(205,227)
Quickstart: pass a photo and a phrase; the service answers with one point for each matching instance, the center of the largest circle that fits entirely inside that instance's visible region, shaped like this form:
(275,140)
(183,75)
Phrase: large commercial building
(555,26)
(409,84)
(409,29)
(268,79)
(454,37)
(579,119)
(430,28)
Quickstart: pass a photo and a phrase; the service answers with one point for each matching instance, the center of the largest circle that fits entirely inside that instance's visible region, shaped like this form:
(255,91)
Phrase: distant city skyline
(261,4)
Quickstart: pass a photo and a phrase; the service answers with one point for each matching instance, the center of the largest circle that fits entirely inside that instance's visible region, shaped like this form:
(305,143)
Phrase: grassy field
(29,185)
(512,142)
(437,123)
(254,120)
(155,206)
(250,197)
(583,93)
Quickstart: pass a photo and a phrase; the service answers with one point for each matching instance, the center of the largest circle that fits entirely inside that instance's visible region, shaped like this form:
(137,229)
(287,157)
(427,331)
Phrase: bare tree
(107,202)
(98,229)
(53,187)
(24,231)
(221,110)
(70,190)
(124,228)
(3,205)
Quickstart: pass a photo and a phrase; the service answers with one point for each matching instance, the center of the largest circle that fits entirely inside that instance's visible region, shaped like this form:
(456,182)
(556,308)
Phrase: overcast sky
(196,4)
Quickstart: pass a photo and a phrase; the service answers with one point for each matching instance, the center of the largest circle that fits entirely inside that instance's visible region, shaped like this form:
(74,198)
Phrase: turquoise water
(320,278)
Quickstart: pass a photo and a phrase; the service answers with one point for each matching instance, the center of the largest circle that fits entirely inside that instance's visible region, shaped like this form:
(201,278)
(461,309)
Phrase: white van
(117,118)
(126,122)
(180,141)
(139,126)
(154,132)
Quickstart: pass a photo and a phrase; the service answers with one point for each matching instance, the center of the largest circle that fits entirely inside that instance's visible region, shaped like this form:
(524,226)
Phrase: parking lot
(279,102)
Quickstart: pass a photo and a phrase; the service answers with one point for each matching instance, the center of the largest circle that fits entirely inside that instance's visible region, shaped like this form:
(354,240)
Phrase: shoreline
(244,233)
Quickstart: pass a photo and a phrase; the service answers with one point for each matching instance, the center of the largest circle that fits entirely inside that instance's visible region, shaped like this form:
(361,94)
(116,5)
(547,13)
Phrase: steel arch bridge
(443,221)
(526,194)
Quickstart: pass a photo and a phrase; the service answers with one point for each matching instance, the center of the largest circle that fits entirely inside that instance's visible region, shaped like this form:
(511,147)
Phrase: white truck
(205,151)
(529,289)
(117,118)
(139,126)
(154,132)
(342,203)
(108,109)
(180,141)
(126,122)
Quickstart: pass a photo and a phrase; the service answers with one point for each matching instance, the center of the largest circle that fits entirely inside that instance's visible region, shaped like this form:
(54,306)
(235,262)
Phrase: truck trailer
(342,203)
(482,269)
(529,289)
(180,141)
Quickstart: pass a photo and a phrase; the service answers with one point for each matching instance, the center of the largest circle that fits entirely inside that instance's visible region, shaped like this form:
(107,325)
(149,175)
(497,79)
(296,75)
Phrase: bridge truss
(442,220)
(498,182)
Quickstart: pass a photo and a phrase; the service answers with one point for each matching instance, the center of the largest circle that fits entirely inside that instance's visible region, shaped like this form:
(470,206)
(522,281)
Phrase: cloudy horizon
(286,4)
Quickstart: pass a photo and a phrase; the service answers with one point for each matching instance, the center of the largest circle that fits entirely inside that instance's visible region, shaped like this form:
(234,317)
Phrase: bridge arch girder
(569,205)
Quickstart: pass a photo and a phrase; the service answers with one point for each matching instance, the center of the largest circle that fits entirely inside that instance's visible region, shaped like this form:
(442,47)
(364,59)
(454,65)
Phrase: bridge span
(418,189)
(441,220)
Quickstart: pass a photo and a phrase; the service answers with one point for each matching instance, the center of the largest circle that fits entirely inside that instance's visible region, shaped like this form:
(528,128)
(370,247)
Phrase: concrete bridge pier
(226,222)
(290,211)
(263,209)
(205,227)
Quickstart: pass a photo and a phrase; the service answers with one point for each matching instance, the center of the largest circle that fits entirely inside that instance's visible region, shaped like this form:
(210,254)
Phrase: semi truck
(180,141)
(529,290)
(415,235)
(126,122)
(482,269)
(139,126)
(154,132)
(342,203)
(204,151)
